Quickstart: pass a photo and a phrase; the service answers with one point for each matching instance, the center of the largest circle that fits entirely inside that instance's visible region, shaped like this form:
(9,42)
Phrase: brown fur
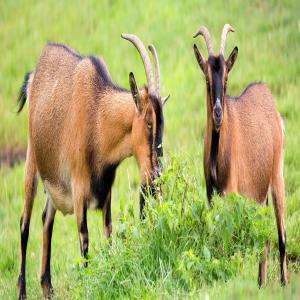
(81,126)
(242,139)
(243,152)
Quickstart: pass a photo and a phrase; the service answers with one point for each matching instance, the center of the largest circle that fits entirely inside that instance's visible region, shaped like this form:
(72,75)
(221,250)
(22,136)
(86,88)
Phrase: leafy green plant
(181,239)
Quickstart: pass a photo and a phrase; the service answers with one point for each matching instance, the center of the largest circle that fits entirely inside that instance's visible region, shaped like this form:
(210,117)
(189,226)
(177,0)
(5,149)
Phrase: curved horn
(157,69)
(205,33)
(145,58)
(226,29)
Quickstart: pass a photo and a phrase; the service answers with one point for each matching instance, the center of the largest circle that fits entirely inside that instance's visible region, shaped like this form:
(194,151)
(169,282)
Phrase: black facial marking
(150,141)
(159,126)
(216,67)
(101,183)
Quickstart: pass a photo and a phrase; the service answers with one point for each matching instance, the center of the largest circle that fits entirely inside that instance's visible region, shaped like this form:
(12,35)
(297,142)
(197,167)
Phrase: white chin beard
(216,127)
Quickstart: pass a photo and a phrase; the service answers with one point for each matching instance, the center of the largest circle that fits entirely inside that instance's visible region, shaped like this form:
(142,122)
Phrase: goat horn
(227,28)
(165,99)
(145,58)
(205,33)
(157,69)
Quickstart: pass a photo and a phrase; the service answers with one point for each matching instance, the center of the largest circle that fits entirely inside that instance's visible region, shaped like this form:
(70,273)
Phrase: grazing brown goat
(81,126)
(243,144)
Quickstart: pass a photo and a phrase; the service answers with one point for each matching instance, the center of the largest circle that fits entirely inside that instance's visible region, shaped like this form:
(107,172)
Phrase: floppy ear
(231,58)
(201,60)
(134,91)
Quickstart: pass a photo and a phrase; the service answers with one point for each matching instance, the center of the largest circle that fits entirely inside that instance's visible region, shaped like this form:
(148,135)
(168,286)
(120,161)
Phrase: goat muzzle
(217,114)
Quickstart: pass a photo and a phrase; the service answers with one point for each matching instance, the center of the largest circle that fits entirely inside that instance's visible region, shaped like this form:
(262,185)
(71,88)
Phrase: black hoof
(48,291)
(21,288)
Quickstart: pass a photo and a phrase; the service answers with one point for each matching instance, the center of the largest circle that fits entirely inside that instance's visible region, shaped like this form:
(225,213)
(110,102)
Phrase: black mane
(245,90)
(104,78)
(69,50)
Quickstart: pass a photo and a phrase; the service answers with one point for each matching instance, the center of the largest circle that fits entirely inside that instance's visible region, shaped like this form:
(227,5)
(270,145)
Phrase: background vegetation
(182,250)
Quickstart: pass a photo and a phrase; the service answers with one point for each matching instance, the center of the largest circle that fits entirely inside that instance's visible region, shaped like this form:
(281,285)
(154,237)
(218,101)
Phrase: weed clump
(182,243)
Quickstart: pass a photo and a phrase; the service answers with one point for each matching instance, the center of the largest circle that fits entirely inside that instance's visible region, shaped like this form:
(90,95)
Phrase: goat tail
(23,94)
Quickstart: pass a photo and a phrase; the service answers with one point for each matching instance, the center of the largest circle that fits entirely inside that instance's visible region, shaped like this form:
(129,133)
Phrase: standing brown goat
(81,126)
(243,145)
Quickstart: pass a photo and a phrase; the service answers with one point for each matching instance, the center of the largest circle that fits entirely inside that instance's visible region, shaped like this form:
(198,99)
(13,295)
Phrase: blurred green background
(268,36)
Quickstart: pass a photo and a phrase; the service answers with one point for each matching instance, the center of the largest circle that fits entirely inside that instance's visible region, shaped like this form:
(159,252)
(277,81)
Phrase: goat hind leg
(262,269)
(48,220)
(278,202)
(30,184)
(80,205)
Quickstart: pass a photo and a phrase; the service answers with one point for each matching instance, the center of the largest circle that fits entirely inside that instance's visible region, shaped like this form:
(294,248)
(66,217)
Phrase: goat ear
(231,58)
(200,59)
(134,91)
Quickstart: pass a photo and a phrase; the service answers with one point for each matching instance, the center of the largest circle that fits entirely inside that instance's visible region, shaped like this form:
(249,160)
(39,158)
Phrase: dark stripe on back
(69,50)
(101,69)
(104,77)
(250,85)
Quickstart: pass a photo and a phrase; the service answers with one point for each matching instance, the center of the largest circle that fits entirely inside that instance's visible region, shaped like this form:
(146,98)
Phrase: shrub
(180,242)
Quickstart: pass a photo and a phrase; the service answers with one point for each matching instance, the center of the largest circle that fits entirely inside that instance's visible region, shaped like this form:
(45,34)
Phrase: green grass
(183,250)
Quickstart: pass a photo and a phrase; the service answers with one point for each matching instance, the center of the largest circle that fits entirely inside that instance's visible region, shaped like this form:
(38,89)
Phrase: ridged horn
(145,58)
(205,33)
(157,69)
(227,28)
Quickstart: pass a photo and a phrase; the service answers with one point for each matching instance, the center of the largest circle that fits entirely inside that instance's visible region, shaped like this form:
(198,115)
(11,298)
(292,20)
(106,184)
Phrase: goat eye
(149,125)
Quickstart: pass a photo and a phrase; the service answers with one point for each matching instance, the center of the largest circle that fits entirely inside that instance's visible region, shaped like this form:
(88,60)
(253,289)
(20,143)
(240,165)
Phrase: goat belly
(60,198)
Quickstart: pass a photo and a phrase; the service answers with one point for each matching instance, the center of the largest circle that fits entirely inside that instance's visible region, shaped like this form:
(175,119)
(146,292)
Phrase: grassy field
(182,250)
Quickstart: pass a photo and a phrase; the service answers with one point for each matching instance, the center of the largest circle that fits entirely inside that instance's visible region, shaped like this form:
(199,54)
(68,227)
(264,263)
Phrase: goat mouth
(217,123)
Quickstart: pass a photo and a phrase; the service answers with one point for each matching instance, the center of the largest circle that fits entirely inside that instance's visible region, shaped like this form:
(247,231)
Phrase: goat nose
(218,111)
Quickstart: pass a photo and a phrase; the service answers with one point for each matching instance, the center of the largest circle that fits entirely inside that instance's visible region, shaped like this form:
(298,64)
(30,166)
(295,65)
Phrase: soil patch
(12,156)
